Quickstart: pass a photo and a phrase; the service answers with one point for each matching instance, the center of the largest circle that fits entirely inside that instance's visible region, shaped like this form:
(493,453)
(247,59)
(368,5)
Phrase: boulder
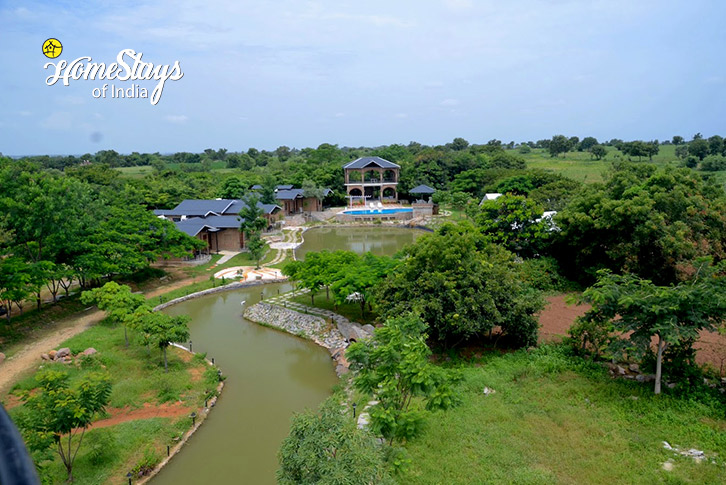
(369,329)
(620,370)
(52,354)
(64,352)
(90,351)
(45,356)
(645,377)
(634,368)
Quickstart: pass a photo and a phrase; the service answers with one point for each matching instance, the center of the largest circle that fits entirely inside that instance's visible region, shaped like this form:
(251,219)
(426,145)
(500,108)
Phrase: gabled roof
(163,212)
(238,205)
(422,189)
(284,187)
(490,196)
(201,207)
(371,161)
(288,194)
(195,225)
(256,187)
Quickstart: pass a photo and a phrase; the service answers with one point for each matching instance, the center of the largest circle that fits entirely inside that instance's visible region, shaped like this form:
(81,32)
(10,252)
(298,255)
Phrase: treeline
(56,230)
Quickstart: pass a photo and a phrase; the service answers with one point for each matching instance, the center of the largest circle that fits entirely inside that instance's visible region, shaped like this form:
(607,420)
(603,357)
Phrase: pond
(382,241)
(270,374)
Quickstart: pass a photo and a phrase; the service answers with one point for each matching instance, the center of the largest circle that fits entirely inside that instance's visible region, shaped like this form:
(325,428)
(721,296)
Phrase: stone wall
(307,326)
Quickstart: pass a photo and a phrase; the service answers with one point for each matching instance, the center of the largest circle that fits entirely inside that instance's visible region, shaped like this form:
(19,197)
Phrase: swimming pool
(367,212)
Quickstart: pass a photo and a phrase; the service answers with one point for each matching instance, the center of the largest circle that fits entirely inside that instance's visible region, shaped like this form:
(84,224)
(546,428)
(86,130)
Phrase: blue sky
(300,73)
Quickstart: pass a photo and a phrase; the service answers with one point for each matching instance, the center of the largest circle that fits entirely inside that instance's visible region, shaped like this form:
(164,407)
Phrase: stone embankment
(311,327)
(232,286)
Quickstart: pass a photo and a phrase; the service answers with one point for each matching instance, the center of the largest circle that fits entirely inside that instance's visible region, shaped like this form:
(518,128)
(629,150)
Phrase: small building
(293,201)
(216,221)
(490,196)
(422,191)
(372,178)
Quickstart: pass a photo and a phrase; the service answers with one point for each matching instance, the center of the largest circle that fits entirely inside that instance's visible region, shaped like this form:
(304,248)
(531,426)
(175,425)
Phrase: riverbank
(149,409)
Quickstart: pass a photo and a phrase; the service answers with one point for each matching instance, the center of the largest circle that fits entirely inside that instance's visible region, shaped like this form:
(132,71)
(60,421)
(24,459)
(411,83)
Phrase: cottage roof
(364,162)
(202,207)
(422,189)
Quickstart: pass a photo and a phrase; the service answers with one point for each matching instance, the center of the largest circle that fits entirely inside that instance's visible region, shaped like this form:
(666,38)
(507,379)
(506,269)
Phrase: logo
(128,66)
(52,48)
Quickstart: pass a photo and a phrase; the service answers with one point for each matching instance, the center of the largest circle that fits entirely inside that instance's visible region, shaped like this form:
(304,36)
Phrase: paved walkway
(226,256)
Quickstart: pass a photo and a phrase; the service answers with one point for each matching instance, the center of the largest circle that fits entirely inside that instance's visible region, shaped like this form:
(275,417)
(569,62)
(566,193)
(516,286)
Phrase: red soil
(557,317)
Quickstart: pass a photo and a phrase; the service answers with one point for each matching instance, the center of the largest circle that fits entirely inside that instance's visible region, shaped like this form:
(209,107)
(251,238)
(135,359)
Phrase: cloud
(178,119)
(57,121)
(450,102)
(25,112)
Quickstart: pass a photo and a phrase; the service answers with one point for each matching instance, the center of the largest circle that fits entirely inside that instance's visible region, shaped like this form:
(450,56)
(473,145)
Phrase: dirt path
(557,317)
(28,358)
(148,411)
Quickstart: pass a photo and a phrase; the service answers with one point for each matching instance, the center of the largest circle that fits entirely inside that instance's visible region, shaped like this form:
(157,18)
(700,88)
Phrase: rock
(341,370)
(2,357)
(368,328)
(668,466)
(667,446)
(487,391)
(671,385)
(620,370)
(645,377)
(634,368)
(90,351)
(52,354)
(64,352)
(45,356)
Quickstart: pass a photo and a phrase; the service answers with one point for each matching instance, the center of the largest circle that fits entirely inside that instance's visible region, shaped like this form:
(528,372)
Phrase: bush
(713,163)
(544,274)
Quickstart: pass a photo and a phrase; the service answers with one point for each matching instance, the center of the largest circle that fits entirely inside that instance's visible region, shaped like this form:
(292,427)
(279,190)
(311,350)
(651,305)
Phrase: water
(382,241)
(270,374)
(375,211)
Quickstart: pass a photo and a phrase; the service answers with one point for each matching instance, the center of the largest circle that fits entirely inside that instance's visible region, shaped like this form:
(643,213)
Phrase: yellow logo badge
(52,48)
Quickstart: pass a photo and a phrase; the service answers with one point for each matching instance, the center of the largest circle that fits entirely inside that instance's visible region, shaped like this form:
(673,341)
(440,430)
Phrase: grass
(556,419)
(351,311)
(138,377)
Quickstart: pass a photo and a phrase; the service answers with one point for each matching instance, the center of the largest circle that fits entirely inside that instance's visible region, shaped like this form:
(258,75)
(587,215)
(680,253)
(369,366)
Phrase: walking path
(28,357)
(286,300)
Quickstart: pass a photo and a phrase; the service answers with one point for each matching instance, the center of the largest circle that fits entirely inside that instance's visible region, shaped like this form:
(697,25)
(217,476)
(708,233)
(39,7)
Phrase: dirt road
(27,359)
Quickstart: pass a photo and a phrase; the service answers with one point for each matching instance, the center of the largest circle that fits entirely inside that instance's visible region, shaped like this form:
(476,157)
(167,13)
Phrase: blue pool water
(360,212)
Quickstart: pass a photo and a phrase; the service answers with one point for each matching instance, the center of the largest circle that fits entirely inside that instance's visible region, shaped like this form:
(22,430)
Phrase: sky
(301,73)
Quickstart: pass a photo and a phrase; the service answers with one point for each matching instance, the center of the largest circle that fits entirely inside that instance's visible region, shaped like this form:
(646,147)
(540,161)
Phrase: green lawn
(555,419)
(138,377)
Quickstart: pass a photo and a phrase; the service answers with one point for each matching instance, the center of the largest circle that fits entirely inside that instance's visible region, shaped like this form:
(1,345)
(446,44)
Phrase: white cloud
(178,119)
(450,102)
(58,121)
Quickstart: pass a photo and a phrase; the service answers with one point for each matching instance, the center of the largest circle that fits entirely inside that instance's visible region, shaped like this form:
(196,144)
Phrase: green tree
(677,140)
(513,221)
(394,366)
(251,224)
(267,194)
(232,188)
(649,221)
(15,277)
(462,287)
(673,314)
(159,329)
(358,279)
(699,148)
(116,300)
(58,415)
(327,448)
(598,151)
(587,143)
(558,144)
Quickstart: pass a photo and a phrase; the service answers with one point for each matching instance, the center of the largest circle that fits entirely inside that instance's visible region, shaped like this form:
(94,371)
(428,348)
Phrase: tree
(513,221)
(159,329)
(598,151)
(677,140)
(673,314)
(267,194)
(649,221)
(251,224)
(233,188)
(116,300)
(394,366)
(14,282)
(558,144)
(55,413)
(359,279)
(587,143)
(462,286)
(459,144)
(327,448)
(698,148)
(682,151)
(310,189)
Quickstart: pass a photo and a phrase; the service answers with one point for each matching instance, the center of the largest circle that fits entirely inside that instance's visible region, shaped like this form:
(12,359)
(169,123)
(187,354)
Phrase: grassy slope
(351,311)
(556,420)
(138,377)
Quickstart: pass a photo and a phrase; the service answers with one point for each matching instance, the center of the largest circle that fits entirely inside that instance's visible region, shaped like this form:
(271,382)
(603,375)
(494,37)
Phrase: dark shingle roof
(283,187)
(238,205)
(288,194)
(164,212)
(194,225)
(422,189)
(256,187)
(368,161)
(201,207)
